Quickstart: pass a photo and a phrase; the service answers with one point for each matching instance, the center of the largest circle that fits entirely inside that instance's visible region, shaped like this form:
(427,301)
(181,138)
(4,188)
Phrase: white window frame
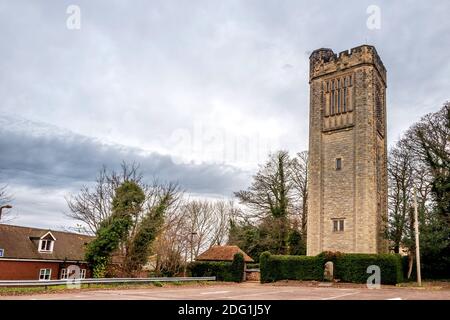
(45,274)
(83,274)
(64,273)
(50,250)
(2,253)
(45,239)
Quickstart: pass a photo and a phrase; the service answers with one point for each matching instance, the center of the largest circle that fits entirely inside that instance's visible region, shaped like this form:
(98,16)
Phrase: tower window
(332,102)
(344,107)
(338,225)
(339,100)
(338,163)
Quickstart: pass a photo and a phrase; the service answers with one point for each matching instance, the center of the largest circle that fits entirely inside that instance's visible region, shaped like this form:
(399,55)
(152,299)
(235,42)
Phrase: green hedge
(347,267)
(252,265)
(353,267)
(436,268)
(278,267)
(222,270)
(237,267)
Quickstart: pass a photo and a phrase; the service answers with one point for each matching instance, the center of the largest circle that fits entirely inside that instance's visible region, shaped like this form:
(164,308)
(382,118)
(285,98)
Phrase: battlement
(324,61)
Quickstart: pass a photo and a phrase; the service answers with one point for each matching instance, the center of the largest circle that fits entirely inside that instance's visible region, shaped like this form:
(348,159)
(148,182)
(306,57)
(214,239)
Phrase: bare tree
(171,247)
(400,178)
(195,226)
(421,161)
(5,200)
(300,180)
(271,191)
(429,139)
(92,204)
(278,195)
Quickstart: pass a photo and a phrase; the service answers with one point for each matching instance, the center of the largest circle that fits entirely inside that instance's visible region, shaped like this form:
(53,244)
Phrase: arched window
(339,96)
(332,98)
(344,107)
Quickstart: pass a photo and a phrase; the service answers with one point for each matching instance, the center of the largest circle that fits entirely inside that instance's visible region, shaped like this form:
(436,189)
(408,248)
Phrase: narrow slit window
(344,107)
(332,102)
(339,101)
(338,163)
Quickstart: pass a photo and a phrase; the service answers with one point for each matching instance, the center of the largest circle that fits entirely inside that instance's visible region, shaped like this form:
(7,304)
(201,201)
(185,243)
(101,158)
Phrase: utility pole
(416,227)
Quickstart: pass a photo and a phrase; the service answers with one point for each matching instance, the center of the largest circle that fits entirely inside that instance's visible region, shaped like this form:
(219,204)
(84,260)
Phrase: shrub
(222,270)
(264,267)
(353,267)
(431,268)
(279,267)
(347,267)
(237,267)
(252,265)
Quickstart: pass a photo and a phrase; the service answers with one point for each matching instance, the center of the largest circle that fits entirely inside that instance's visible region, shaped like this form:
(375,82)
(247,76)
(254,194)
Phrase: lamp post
(416,229)
(8,206)
(192,244)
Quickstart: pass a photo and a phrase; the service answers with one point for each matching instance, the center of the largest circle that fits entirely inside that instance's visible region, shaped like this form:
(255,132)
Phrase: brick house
(41,254)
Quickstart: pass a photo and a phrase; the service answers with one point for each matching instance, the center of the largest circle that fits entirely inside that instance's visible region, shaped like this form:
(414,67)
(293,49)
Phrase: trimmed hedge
(238,267)
(252,265)
(353,267)
(280,267)
(222,270)
(347,267)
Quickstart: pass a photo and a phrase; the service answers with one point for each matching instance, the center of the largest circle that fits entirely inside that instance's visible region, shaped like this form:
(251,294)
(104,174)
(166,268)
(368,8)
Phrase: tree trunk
(410,265)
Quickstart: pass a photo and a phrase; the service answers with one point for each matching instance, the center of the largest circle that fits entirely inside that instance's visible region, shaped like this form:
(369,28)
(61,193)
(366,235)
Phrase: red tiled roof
(222,253)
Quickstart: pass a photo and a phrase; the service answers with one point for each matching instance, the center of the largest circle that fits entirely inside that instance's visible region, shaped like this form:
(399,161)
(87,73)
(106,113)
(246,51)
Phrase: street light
(192,234)
(192,244)
(8,206)
(416,229)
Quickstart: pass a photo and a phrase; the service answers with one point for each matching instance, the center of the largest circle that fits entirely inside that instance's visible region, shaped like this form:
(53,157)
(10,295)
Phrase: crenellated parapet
(324,61)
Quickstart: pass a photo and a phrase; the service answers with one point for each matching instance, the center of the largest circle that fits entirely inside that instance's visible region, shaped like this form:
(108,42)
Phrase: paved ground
(245,291)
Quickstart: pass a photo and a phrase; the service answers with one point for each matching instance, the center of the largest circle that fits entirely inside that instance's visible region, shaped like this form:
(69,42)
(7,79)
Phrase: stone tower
(347,204)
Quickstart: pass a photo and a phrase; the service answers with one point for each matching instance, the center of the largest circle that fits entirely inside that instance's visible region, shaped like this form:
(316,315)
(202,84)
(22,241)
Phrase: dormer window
(46,243)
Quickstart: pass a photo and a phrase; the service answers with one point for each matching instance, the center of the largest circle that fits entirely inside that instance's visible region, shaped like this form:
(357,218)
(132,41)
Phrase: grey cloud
(40,156)
(137,72)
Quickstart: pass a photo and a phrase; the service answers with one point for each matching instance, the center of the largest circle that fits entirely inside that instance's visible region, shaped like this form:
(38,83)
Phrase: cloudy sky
(195,91)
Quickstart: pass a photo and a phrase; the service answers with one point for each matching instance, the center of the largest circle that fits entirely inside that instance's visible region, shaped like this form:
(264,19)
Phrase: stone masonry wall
(358,192)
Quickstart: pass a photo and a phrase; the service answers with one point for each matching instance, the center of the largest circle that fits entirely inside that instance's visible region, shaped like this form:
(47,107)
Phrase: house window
(338,225)
(45,274)
(46,245)
(83,274)
(2,252)
(63,273)
(338,164)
